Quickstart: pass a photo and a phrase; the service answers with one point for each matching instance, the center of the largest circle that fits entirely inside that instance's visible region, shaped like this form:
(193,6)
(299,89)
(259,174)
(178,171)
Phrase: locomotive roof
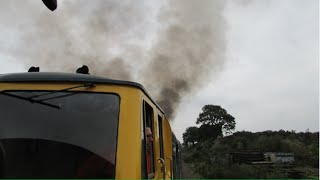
(39,77)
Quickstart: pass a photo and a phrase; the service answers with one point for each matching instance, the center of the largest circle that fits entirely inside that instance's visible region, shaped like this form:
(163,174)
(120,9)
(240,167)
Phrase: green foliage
(214,115)
(191,136)
(213,121)
(210,158)
(238,171)
(207,131)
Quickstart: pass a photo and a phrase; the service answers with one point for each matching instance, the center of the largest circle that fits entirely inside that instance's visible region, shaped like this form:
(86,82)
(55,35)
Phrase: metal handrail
(163,168)
(171,165)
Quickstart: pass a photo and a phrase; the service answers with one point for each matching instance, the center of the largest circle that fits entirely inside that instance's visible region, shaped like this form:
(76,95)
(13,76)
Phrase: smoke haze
(187,51)
(171,47)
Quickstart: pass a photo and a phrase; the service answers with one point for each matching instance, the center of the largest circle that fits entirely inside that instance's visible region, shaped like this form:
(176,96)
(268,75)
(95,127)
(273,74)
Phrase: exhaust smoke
(172,47)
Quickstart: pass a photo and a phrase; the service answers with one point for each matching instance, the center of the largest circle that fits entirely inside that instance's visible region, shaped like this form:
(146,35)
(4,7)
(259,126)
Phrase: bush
(210,157)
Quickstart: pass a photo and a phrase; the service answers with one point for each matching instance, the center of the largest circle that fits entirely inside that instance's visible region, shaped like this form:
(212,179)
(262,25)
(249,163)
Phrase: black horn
(51,4)
(83,70)
(34,69)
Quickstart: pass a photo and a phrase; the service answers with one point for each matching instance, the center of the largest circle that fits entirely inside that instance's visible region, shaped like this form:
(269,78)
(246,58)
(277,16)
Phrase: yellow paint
(128,158)
(168,147)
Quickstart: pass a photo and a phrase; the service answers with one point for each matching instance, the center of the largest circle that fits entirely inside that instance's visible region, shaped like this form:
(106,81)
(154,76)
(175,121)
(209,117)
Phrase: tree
(191,136)
(217,117)
(207,131)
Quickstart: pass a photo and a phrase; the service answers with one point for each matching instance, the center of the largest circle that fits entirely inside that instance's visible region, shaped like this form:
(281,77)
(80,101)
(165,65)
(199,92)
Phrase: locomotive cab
(63,125)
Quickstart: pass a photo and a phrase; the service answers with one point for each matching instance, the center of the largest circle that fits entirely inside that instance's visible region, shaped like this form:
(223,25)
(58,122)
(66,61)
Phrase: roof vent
(83,70)
(34,69)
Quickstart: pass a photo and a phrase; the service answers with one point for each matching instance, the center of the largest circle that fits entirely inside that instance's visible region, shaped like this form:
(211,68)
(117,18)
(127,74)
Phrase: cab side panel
(128,160)
(167,134)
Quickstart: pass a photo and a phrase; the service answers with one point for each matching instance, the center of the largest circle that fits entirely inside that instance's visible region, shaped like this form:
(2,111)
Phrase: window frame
(86,92)
(146,108)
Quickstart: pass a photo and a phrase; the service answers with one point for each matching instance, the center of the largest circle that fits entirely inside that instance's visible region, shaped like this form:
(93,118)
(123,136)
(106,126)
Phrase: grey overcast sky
(267,78)
(271,79)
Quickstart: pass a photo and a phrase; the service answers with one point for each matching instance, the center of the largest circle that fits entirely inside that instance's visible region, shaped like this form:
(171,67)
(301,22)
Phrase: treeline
(208,148)
(304,145)
(209,158)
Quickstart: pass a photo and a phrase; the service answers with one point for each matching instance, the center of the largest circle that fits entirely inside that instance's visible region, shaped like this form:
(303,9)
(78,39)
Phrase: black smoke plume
(172,47)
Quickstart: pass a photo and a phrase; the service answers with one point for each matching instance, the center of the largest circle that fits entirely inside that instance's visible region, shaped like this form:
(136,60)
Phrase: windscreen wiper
(30,100)
(40,101)
(87,85)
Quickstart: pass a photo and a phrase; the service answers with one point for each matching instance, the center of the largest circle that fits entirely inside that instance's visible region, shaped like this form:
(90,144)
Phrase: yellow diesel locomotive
(72,125)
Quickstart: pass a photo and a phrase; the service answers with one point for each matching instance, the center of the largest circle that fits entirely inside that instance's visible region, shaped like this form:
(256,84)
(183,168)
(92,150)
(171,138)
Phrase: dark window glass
(76,141)
(176,157)
(174,160)
(178,162)
(160,137)
(148,149)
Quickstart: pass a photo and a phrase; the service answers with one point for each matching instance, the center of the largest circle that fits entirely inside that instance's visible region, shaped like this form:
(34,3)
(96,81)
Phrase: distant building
(262,158)
(279,157)
(247,157)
